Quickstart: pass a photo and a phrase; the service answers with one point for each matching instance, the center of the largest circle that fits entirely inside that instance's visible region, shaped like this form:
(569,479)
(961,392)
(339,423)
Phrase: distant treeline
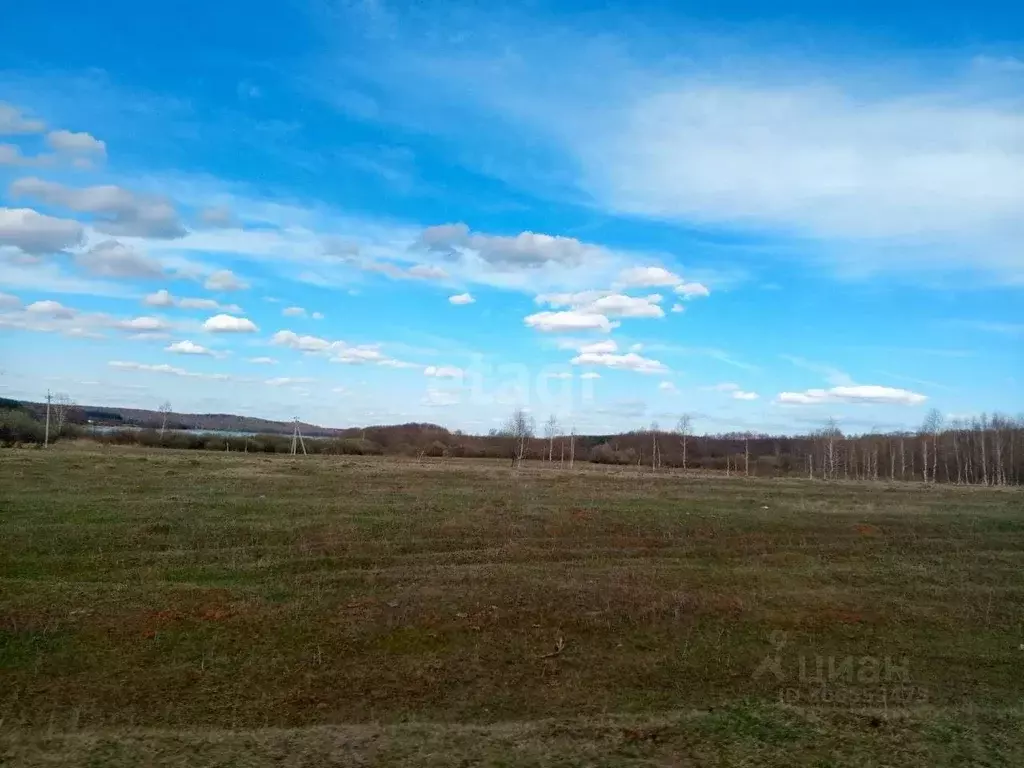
(988,450)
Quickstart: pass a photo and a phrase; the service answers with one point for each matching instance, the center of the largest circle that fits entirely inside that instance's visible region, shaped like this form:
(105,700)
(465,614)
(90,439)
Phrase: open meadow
(190,607)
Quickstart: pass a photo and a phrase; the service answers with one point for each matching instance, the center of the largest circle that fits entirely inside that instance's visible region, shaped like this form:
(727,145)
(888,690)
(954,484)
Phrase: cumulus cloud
(443,372)
(338,351)
(620,305)
(163,298)
(37,234)
(461,298)
(629,361)
(558,375)
(605,303)
(113,259)
(143,324)
(229,324)
(692,290)
(262,360)
(678,308)
(317,315)
(119,211)
(852,394)
(13,121)
(7,301)
(10,154)
(188,348)
(741,395)
(598,347)
(571,320)
(293,312)
(527,250)
(642,277)
(224,280)
(76,143)
(667,386)
(591,375)
(50,308)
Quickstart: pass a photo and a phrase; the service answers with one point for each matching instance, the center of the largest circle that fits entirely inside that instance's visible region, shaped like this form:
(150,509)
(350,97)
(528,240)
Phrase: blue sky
(372,212)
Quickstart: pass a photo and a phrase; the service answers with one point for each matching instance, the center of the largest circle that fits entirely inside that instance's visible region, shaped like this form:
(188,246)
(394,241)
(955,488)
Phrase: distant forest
(986,450)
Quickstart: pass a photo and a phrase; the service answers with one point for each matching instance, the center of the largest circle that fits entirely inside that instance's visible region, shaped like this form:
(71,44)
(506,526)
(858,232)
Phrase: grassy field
(184,608)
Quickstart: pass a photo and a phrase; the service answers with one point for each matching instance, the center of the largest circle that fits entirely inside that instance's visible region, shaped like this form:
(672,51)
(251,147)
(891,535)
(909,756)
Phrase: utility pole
(46,438)
(297,438)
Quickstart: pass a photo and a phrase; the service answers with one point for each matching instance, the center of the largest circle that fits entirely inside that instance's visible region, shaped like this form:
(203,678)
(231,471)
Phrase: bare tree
(932,426)
(550,432)
(165,411)
(655,456)
(61,405)
(520,428)
(683,428)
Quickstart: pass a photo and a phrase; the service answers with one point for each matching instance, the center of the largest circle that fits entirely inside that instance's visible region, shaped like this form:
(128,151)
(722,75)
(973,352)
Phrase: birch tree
(550,432)
(683,428)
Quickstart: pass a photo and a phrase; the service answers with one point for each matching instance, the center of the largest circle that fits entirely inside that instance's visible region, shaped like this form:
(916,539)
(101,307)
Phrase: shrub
(20,427)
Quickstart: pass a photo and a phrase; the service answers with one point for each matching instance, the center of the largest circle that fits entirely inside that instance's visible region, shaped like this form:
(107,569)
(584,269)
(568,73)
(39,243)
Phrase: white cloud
(188,348)
(598,347)
(641,277)
(525,250)
(10,154)
(263,360)
(74,143)
(443,372)
(125,213)
(229,324)
(461,298)
(113,259)
(317,315)
(852,394)
(284,381)
(12,120)
(7,301)
(164,368)
(340,351)
(726,386)
(692,290)
(817,160)
(563,375)
(571,320)
(163,298)
(605,303)
(144,324)
(620,305)
(36,234)
(591,375)
(667,386)
(50,308)
(428,272)
(224,280)
(741,395)
(678,308)
(627,362)
(293,312)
